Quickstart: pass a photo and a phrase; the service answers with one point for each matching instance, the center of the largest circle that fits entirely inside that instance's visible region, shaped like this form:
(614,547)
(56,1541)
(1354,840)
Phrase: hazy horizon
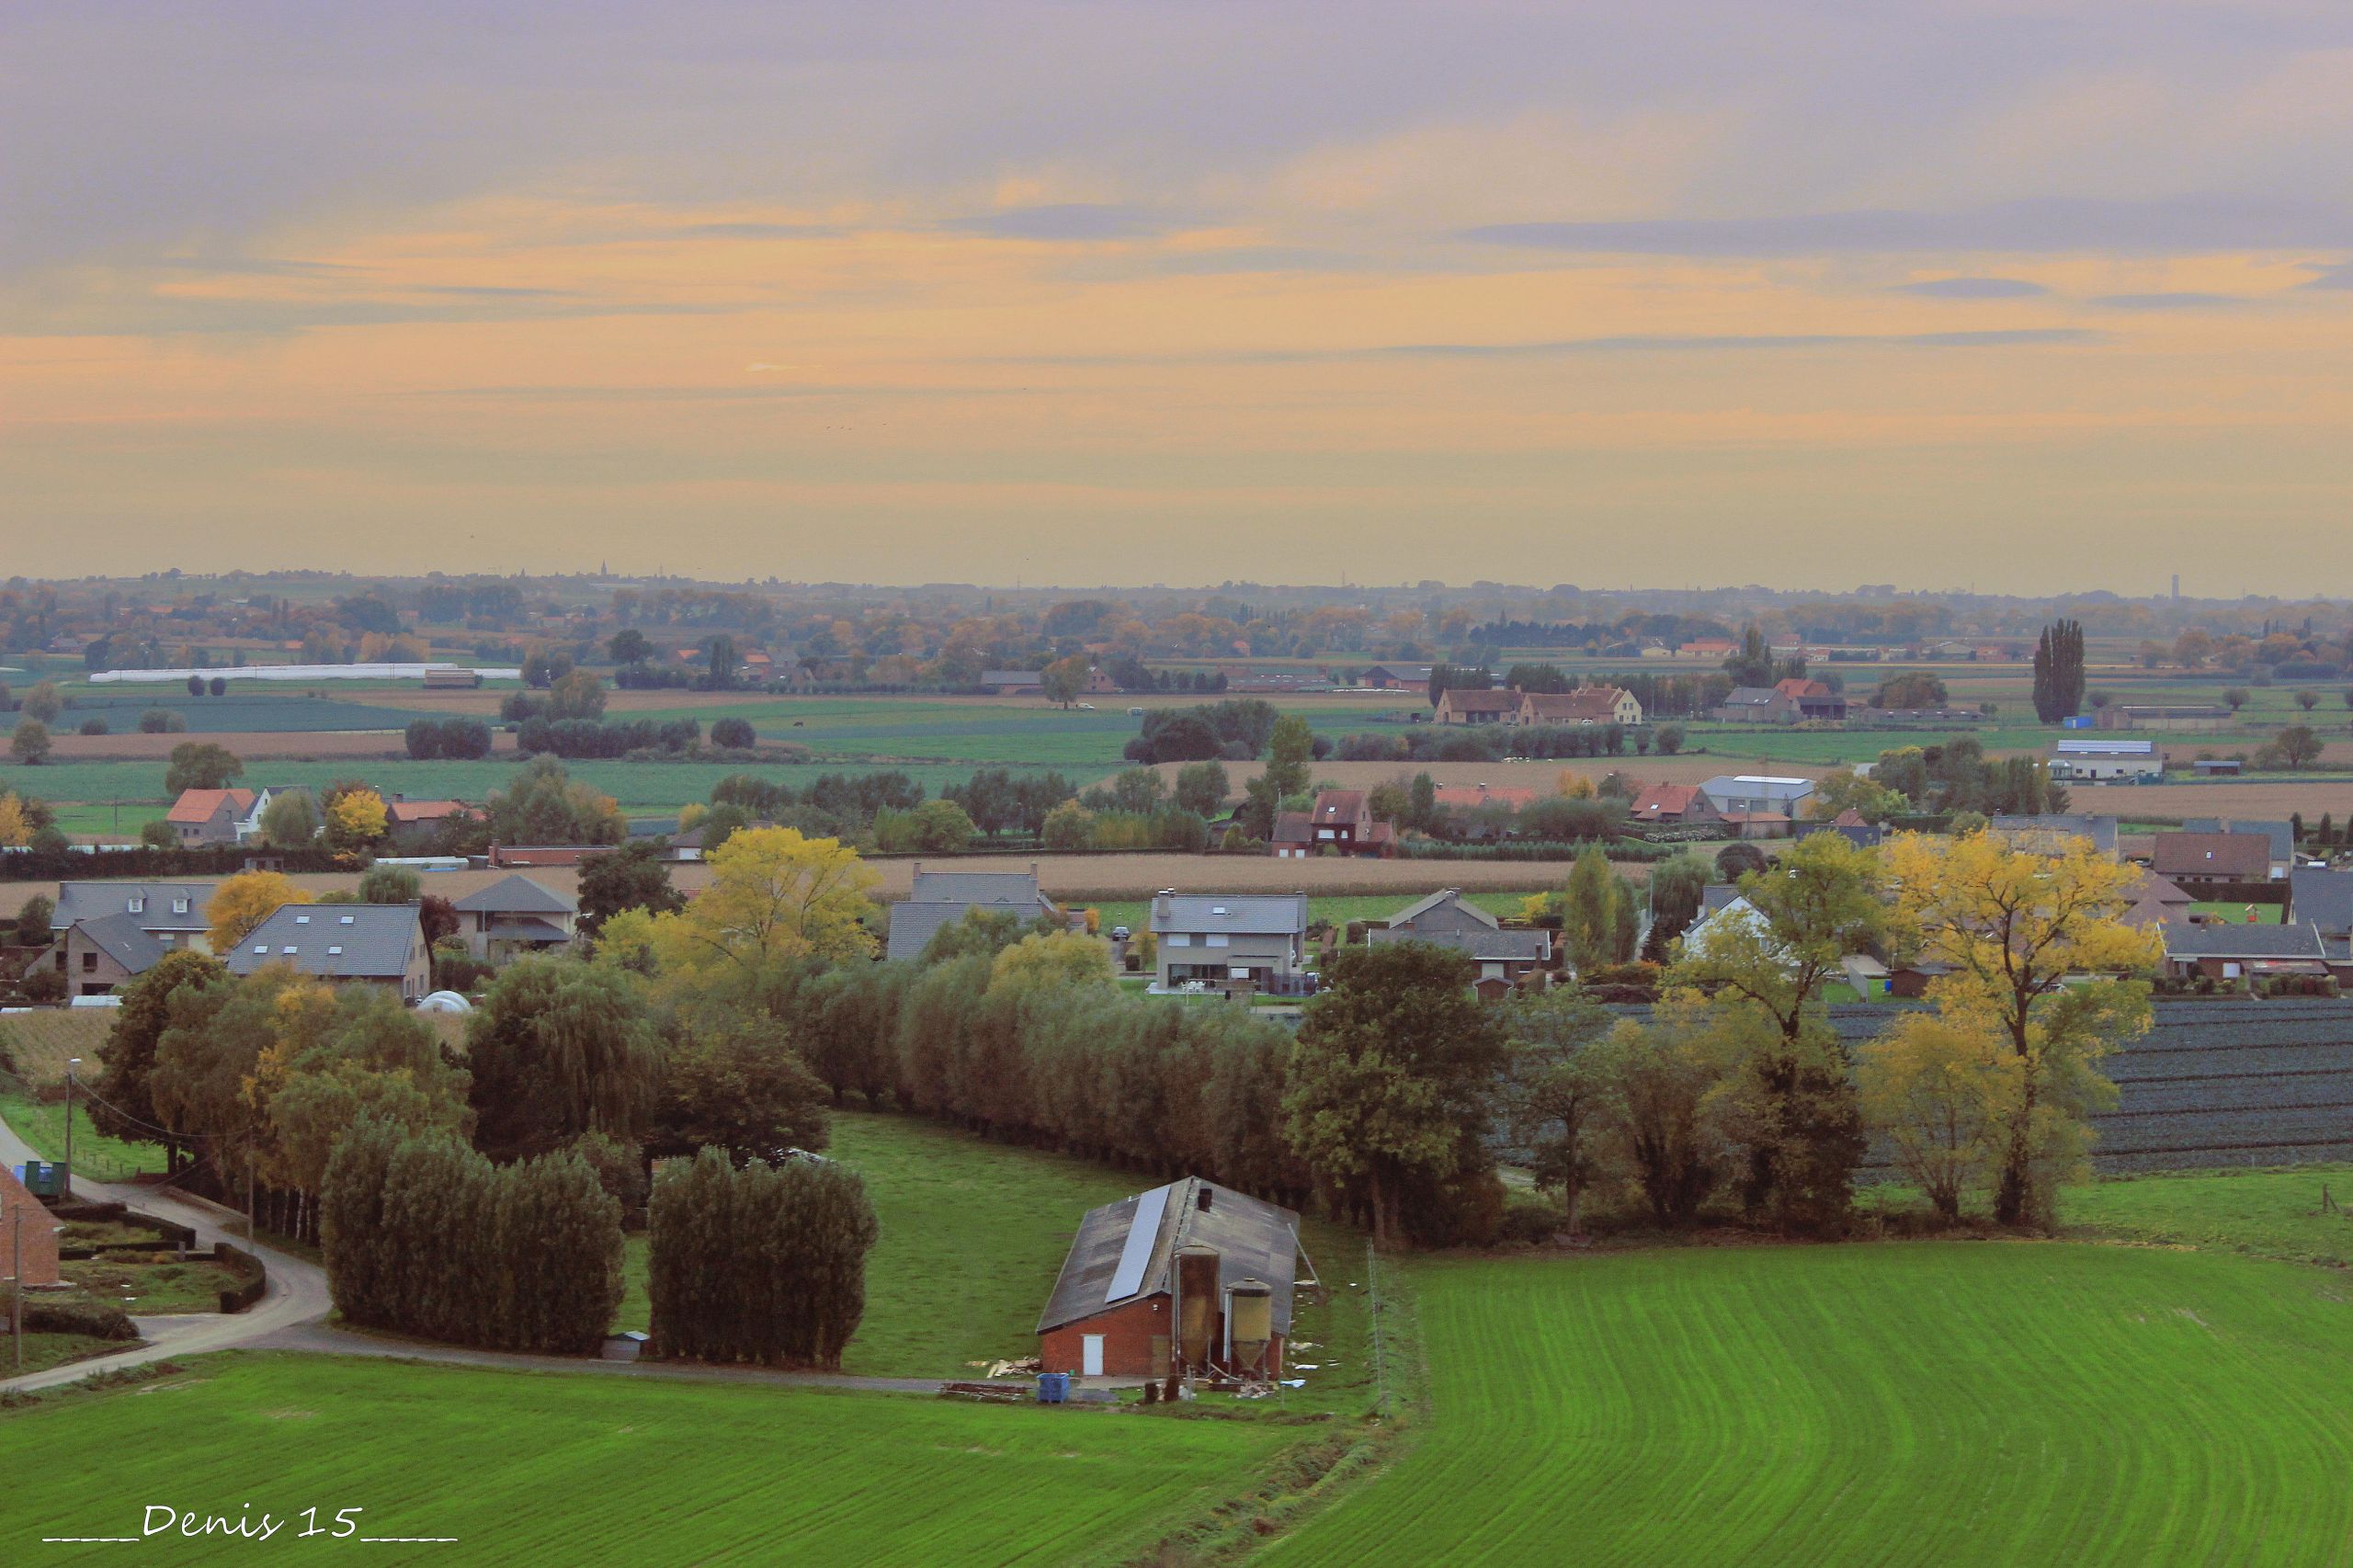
(1959,295)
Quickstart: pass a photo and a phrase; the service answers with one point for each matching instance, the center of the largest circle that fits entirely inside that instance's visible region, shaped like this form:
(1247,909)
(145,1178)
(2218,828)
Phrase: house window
(179,906)
(1180,939)
(1220,940)
(138,906)
(1326,833)
(89,962)
(261,948)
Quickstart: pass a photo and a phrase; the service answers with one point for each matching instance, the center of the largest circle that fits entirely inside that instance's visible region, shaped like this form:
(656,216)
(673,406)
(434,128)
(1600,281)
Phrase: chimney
(918,868)
(1160,910)
(1201,1198)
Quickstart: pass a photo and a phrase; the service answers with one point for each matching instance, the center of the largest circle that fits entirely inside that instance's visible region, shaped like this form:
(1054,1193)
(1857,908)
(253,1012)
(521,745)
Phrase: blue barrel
(1054,1388)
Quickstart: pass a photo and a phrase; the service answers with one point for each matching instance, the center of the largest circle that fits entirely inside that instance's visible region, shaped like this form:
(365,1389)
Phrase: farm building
(1757,793)
(1187,1277)
(2051,832)
(2101,761)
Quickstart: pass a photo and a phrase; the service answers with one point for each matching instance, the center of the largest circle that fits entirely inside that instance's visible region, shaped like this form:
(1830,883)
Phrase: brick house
(1674,805)
(34,1235)
(2205,860)
(1150,1287)
(414,825)
(202,817)
(1477,707)
(1586,705)
(942,898)
(1446,919)
(1816,703)
(1755,704)
(1342,820)
(104,935)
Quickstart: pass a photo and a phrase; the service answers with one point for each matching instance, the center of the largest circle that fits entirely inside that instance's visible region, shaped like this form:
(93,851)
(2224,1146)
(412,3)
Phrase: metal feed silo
(1249,1325)
(1197,1279)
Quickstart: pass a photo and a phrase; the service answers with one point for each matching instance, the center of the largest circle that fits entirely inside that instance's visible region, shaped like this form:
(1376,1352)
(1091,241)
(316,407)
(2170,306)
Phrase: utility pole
(17,1285)
(71,1065)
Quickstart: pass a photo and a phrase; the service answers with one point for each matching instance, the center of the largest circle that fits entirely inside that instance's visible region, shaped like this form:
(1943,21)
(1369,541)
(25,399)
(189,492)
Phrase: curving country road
(296,1293)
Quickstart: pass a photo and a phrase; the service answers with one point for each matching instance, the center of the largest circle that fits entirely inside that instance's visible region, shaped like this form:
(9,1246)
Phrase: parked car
(1118,933)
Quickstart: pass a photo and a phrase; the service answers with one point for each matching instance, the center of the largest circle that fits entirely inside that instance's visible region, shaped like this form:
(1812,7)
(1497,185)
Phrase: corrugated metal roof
(1254,1240)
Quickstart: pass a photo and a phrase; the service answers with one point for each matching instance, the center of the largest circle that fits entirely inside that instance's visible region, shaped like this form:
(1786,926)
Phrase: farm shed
(1188,1277)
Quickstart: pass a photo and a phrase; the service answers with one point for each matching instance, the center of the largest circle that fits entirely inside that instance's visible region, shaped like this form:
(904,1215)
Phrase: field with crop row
(563,1469)
(1928,1404)
(43,1040)
(243,709)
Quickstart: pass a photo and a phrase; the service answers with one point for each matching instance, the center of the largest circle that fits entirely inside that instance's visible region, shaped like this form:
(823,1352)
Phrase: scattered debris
(1020,1367)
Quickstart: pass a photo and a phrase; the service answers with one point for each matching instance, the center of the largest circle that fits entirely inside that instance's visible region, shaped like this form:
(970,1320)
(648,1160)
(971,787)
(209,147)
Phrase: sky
(1997,294)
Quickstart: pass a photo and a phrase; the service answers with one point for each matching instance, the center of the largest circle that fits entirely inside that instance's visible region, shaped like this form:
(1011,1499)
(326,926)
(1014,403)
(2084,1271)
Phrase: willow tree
(559,1049)
(777,900)
(2038,961)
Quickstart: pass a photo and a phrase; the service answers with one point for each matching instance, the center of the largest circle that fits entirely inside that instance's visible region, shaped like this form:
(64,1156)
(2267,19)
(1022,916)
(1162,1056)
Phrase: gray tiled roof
(1253,1240)
(77,902)
(2218,941)
(335,941)
(1256,913)
(942,898)
(2322,898)
(120,938)
(517,895)
(2100,830)
(1479,943)
(2283,835)
(1715,895)
(1444,896)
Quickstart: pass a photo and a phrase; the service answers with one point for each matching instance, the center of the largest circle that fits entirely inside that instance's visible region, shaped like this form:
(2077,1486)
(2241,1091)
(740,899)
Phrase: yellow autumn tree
(355,818)
(1942,1097)
(15,829)
(244,902)
(1059,960)
(775,898)
(2040,963)
(1575,786)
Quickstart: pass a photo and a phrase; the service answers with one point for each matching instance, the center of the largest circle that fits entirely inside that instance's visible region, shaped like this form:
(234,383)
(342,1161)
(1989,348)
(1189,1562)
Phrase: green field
(1920,1403)
(97,1157)
(566,1469)
(243,709)
(2268,1213)
(646,786)
(974,1234)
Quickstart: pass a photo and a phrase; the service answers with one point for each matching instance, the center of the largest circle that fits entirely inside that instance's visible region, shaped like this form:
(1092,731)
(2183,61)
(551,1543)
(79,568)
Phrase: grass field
(1924,1403)
(2235,913)
(565,1469)
(974,1234)
(2265,1213)
(95,1156)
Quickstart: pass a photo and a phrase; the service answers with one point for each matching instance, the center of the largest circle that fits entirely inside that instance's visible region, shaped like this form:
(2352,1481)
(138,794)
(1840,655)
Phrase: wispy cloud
(2186,224)
(2176,299)
(1628,343)
(1065,220)
(2339,276)
(1972,289)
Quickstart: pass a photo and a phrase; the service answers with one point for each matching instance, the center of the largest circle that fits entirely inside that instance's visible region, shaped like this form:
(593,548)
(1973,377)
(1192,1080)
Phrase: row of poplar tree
(423,1236)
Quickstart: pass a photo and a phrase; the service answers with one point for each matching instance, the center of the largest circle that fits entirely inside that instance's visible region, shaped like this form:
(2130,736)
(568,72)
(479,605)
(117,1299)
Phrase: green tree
(42,703)
(559,1049)
(291,821)
(390,884)
(1201,787)
(1289,753)
(1751,664)
(1392,1078)
(632,876)
(629,647)
(1599,916)
(125,1105)
(30,744)
(1064,679)
(201,764)
(733,1085)
(1558,1089)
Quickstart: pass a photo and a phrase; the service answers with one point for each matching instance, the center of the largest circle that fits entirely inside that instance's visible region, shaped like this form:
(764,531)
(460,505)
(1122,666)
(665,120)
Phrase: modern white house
(1749,793)
(1223,939)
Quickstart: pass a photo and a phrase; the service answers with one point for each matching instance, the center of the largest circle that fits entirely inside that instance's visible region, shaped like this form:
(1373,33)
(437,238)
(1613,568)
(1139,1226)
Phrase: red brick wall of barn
(1128,1333)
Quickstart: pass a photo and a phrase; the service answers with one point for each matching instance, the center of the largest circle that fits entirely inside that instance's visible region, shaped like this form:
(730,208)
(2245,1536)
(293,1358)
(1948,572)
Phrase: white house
(2102,760)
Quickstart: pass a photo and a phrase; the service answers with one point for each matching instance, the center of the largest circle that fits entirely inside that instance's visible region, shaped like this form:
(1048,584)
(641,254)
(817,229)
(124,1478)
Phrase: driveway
(296,1293)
